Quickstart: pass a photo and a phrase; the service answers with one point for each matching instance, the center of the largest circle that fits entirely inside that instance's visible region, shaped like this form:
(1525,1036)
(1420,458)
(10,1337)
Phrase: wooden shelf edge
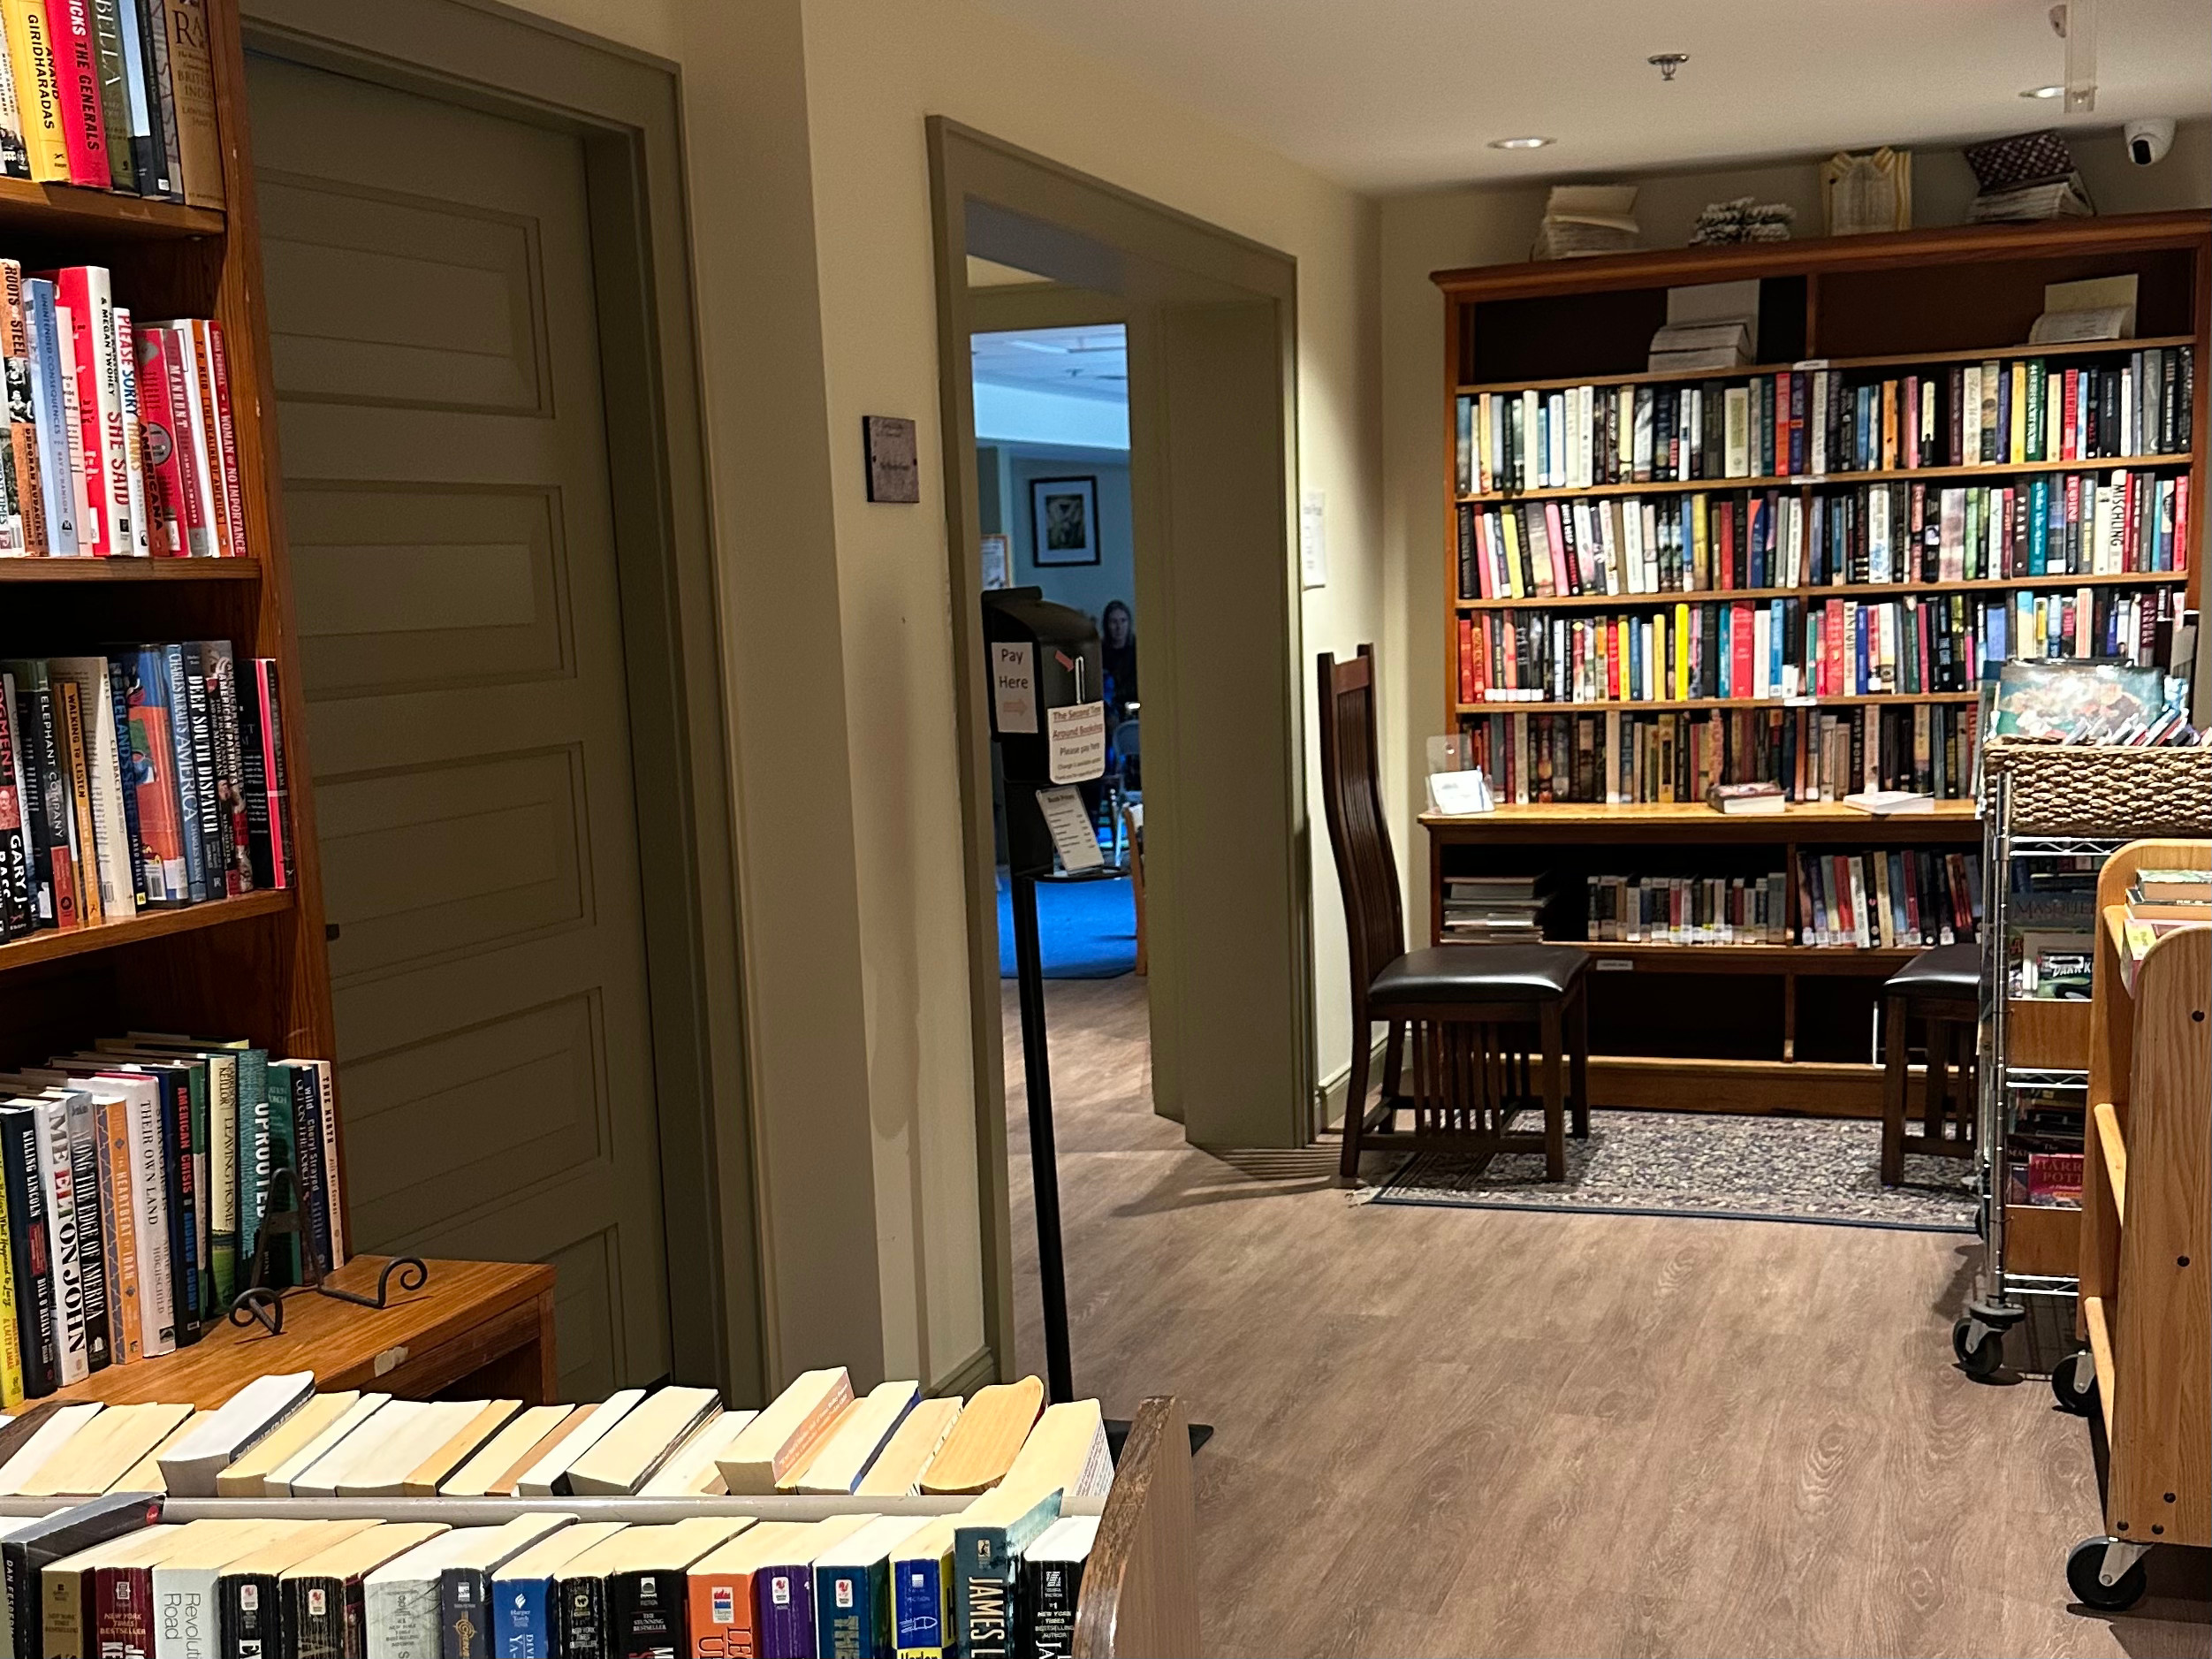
(74,570)
(2100,1352)
(1800,812)
(1826,590)
(1894,360)
(23,202)
(2112,1146)
(76,941)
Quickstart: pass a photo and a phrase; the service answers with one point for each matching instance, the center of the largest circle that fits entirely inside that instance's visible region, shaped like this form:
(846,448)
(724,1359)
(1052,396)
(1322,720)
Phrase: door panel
(434,334)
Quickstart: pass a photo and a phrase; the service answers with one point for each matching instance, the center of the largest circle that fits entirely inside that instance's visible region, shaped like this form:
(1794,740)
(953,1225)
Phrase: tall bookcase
(252,967)
(1740,1026)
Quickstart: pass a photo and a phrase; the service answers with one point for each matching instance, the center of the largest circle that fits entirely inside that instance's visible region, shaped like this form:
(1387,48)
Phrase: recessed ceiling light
(1521,144)
(2044,91)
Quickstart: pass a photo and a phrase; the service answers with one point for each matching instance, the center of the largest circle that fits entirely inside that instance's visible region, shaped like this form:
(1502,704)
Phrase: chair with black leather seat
(1461,1017)
(1941,988)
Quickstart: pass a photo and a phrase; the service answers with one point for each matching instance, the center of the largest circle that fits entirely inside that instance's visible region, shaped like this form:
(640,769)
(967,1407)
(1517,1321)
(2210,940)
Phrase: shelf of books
(166,1037)
(1774,572)
(877,1523)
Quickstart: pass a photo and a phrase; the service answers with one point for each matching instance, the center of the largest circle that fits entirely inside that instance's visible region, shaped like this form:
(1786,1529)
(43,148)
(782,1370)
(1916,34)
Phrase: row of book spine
(149,778)
(111,95)
(1743,650)
(1689,910)
(546,1585)
(2128,521)
(1617,759)
(1889,900)
(133,1180)
(121,437)
(1815,420)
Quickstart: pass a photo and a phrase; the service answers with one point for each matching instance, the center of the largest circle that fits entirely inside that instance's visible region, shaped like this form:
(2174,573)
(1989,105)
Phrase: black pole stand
(1037,1070)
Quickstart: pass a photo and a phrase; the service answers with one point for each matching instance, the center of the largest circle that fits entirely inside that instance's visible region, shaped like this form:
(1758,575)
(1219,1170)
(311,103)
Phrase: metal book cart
(2045,806)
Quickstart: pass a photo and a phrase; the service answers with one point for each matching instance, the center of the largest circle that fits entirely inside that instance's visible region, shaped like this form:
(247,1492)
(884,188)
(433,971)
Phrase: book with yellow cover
(244,1477)
(527,1428)
(981,1446)
(897,1471)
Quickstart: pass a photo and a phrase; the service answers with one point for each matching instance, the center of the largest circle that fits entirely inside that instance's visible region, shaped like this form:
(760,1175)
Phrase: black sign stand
(1037,1073)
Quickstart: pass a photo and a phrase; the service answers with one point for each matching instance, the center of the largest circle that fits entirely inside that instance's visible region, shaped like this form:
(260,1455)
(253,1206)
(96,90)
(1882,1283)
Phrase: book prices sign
(1078,743)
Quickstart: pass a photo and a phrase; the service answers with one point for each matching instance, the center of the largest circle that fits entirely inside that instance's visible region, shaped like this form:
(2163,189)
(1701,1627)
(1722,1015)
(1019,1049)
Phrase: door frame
(1094,239)
(624,106)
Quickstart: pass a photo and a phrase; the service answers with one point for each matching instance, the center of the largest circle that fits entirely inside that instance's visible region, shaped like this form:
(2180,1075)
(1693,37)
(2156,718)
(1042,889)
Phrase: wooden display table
(479,1328)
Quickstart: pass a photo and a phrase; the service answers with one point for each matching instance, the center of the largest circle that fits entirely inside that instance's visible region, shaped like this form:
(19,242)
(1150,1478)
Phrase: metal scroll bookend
(262,1303)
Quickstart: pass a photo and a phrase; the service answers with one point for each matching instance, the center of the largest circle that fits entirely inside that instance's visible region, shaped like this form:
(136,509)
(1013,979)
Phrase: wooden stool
(1942,988)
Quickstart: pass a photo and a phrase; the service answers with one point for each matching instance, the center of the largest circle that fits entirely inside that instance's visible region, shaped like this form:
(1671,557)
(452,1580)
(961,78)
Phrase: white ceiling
(1394,95)
(1081,362)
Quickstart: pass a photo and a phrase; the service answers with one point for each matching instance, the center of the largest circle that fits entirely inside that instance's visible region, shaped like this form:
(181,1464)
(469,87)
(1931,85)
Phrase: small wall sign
(894,473)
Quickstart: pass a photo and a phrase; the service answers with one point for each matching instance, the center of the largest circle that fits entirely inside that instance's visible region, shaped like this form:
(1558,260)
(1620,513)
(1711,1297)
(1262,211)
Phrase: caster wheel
(2082,1565)
(1980,1350)
(2074,1383)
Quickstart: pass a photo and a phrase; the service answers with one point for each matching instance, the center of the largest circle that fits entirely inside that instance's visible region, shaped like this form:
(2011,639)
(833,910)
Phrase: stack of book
(998,1570)
(133,1179)
(148,778)
(1494,910)
(2029,176)
(1580,220)
(1689,347)
(121,437)
(2158,902)
(118,96)
(1810,420)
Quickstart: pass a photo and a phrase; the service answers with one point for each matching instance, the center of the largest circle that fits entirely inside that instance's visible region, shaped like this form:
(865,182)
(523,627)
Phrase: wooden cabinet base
(479,1327)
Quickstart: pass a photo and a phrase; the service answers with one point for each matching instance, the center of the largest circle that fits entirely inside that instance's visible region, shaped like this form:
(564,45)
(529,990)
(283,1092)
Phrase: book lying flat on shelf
(1745,799)
(2173,886)
(1891,803)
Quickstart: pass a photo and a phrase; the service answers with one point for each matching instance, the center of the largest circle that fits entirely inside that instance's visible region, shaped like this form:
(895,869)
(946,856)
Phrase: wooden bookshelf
(1762,1027)
(252,967)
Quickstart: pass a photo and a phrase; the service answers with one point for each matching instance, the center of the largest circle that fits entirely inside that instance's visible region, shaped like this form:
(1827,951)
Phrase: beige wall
(814,312)
(1440,230)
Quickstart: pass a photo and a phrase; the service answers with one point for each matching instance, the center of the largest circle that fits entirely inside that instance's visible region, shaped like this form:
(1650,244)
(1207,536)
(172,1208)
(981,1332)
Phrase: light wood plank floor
(1455,1431)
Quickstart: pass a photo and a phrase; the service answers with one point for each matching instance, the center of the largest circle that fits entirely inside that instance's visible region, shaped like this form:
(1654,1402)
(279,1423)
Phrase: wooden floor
(1454,1431)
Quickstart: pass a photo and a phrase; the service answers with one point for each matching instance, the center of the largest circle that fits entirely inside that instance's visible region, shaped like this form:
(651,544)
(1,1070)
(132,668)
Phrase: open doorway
(1046,264)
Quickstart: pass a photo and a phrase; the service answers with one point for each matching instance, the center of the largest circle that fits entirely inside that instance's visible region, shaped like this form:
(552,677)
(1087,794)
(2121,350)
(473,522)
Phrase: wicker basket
(2085,789)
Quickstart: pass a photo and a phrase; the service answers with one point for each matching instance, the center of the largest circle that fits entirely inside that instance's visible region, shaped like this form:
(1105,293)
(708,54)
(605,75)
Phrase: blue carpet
(1088,929)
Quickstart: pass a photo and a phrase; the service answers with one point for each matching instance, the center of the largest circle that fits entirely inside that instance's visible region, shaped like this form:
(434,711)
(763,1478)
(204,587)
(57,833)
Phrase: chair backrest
(1351,794)
(1128,740)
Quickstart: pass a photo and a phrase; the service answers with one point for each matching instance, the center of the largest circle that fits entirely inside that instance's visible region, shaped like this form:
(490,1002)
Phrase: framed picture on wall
(1064,520)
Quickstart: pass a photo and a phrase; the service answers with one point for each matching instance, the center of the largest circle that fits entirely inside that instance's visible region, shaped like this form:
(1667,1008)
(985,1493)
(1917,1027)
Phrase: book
(104,1450)
(181,1584)
(426,1477)
(862,1432)
(2172,887)
(647,1593)
(192,83)
(981,1446)
(53,1432)
(1742,800)
(719,1587)
(464,1581)
(245,1475)
(375,1436)
(321,1599)
(524,1430)
(987,1546)
(1066,1448)
(923,1619)
(1890,803)
(25,1553)
(549,1475)
(146,1475)
(897,1468)
(853,1603)
(525,1609)
(278,1482)
(692,1469)
(398,1442)
(234,1429)
(400,1607)
(129,1617)
(248,1603)
(633,1450)
(69,1615)
(783,1590)
(786,1432)
(1052,1585)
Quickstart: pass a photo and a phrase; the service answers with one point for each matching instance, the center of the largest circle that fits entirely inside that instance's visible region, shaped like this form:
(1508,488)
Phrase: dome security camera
(2149,140)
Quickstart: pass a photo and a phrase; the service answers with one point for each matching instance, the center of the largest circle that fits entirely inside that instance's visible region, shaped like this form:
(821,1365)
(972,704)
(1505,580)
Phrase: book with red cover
(122,1621)
(154,348)
(226,431)
(77,68)
(88,297)
(202,389)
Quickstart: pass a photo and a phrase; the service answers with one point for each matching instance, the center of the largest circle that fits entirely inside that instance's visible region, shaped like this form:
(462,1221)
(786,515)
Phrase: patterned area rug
(1695,1163)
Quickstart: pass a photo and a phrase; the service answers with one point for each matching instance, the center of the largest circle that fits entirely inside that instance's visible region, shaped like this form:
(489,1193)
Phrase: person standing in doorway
(1117,630)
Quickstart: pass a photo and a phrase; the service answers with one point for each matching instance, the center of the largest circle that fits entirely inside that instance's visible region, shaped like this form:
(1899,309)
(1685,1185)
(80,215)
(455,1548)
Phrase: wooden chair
(1942,988)
(1460,1017)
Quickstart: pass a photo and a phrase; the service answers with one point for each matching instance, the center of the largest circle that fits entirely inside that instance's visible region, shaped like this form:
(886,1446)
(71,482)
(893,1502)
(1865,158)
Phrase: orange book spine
(119,1219)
